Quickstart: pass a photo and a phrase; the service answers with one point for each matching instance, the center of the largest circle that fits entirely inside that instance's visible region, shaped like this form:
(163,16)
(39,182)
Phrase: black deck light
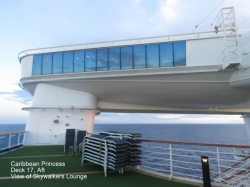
(205,171)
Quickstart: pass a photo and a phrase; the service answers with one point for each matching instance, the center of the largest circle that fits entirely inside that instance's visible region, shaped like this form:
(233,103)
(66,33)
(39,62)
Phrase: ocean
(202,133)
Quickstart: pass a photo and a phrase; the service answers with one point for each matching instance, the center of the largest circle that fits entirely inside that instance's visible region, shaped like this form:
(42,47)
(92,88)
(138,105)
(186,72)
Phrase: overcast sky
(27,24)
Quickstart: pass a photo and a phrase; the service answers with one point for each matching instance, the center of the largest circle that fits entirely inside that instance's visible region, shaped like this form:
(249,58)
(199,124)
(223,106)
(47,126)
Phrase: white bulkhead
(55,109)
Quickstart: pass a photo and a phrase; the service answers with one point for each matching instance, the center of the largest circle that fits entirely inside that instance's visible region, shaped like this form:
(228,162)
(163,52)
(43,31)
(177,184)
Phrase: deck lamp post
(205,171)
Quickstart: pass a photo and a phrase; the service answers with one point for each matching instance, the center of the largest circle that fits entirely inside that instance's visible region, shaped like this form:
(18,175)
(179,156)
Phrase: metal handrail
(185,174)
(155,147)
(156,169)
(156,152)
(111,42)
(177,166)
(14,132)
(188,150)
(197,144)
(154,157)
(179,163)
(157,164)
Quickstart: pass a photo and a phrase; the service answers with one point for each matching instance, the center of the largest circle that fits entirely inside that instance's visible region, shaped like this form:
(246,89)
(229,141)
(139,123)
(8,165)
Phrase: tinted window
(57,63)
(179,54)
(68,62)
(152,56)
(166,55)
(102,60)
(47,64)
(90,60)
(37,65)
(114,58)
(126,58)
(139,57)
(79,61)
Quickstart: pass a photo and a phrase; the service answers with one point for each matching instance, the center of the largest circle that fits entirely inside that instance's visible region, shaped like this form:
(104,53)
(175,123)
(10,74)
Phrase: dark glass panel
(37,65)
(102,59)
(180,54)
(57,63)
(126,58)
(68,62)
(114,58)
(47,64)
(166,55)
(139,57)
(90,60)
(79,61)
(152,56)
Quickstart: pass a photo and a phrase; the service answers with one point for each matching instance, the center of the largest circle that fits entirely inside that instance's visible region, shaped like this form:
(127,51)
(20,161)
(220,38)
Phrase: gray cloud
(18,95)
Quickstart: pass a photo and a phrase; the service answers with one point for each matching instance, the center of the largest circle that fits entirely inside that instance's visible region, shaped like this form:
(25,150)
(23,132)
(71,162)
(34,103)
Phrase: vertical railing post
(9,140)
(171,162)
(18,139)
(23,137)
(218,158)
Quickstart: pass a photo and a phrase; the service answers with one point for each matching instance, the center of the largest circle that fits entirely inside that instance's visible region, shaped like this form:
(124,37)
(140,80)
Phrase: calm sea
(203,133)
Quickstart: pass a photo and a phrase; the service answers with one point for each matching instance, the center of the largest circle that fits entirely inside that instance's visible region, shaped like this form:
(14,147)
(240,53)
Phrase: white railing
(11,139)
(182,160)
(113,43)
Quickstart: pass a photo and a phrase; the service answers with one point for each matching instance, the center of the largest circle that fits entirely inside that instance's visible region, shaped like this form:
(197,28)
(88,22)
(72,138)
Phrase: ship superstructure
(196,73)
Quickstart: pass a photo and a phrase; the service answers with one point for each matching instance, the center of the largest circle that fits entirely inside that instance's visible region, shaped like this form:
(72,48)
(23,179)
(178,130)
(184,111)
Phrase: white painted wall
(43,130)
(26,66)
(41,126)
(49,95)
(204,52)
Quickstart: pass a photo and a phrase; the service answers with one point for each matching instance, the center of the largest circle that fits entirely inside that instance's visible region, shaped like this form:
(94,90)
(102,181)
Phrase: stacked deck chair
(121,134)
(134,151)
(69,139)
(79,136)
(111,153)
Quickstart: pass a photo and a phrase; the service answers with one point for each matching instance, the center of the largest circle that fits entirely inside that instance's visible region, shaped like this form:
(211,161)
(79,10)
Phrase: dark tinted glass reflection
(139,57)
(166,55)
(102,60)
(90,60)
(79,61)
(126,58)
(68,62)
(129,57)
(47,64)
(152,56)
(57,63)
(180,54)
(114,58)
(37,65)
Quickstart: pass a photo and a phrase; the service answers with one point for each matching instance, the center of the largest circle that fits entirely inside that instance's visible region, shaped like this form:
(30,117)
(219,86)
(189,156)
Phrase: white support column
(247,124)
(57,109)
